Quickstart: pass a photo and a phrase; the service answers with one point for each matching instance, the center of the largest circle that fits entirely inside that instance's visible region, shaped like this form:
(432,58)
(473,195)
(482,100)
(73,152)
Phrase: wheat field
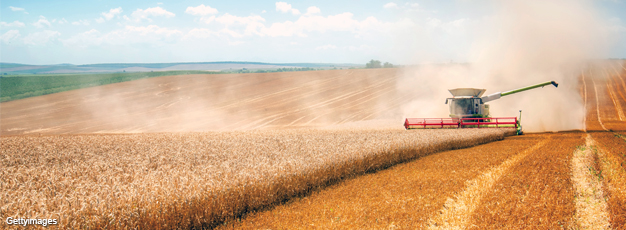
(183,180)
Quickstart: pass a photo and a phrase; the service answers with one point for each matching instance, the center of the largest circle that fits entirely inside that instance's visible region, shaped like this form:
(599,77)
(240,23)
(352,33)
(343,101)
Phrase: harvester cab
(468,110)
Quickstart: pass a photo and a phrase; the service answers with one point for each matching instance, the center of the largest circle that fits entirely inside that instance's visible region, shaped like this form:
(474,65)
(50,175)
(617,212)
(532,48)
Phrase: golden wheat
(187,180)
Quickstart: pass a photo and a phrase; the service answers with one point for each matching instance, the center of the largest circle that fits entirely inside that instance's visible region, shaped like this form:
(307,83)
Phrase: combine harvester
(468,110)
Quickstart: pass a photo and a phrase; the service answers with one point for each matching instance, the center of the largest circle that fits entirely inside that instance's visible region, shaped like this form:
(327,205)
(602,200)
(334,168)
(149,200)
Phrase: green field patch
(14,87)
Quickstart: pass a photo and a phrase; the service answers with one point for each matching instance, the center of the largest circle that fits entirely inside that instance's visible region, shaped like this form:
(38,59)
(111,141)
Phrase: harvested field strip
(618,77)
(611,150)
(597,105)
(457,212)
(535,194)
(613,96)
(210,103)
(404,196)
(591,206)
(187,180)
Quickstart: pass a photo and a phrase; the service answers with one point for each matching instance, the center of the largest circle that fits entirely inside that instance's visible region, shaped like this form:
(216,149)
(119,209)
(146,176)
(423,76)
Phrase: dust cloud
(522,43)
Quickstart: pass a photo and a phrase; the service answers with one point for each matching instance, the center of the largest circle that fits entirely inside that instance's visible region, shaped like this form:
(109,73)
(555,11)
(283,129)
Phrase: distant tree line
(377,64)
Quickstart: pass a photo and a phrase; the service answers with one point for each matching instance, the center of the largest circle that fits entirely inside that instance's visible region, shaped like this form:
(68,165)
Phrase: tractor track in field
(607,147)
(457,212)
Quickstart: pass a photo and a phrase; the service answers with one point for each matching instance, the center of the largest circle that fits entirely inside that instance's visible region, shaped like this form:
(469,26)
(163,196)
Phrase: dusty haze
(523,43)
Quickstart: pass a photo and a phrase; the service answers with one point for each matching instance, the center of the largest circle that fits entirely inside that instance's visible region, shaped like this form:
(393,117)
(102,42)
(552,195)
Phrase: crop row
(536,193)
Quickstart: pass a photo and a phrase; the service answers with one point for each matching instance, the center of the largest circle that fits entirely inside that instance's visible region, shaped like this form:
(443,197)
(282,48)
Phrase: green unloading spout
(530,87)
(495,96)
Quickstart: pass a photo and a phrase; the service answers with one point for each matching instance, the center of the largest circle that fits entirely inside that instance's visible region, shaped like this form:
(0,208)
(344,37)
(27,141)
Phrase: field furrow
(591,207)
(611,148)
(538,193)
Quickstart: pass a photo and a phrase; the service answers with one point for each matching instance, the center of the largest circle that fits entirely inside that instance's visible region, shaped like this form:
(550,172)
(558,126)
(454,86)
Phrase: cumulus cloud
(91,37)
(81,22)
(312,10)
(151,34)
(251,24)
(201,10)
(62,21)
(286,8)
(412,7)
(17,9)
(409,7)
(41,38)
(152,30)
(317,23)
(112,12)
(199,33)
(391,5)
(11,24)
(237,26)
(42,22)
(9,36)
(139,14)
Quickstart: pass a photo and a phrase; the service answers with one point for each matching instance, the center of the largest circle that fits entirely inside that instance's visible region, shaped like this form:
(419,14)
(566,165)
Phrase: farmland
(277,170)
(18,87)
(157,180)
(210,103)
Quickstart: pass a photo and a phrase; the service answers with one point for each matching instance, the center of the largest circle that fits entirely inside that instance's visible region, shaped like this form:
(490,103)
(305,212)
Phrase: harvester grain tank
(468,110)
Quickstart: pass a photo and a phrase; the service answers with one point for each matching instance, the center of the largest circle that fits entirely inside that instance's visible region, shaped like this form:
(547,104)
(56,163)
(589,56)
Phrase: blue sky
(403,32)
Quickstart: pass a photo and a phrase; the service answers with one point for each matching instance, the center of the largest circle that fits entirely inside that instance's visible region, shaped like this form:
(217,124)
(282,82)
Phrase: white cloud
(151,34)
(201,33)
(312,10)
(308,23)
(91,37)
(62,21)
(41,38)
(264,11)
(201,10)
(81,22)
(326,47)
(251,24)
(10,36)
(11,24)
(42,22)
(18,9)
(152,30)
(433,22)
(139,14)
(112,13)
(207,20)
(390,5)
(286,8)
(412,7)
